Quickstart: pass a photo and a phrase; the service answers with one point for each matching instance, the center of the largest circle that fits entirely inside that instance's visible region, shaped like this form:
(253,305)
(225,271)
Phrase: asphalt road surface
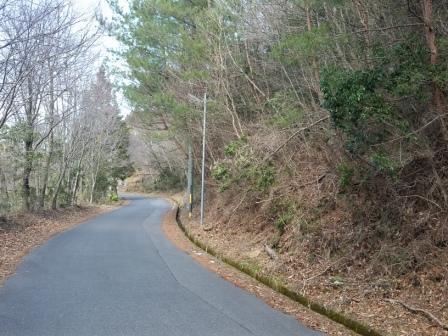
(118,275)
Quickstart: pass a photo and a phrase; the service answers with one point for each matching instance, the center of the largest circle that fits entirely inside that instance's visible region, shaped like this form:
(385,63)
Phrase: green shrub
(222,175)
(113,198)
(5,206)
(383,162)
(232,148)
(220,172)
(355,106)
(243,167)
(408,64)
(263,176)
(346,173)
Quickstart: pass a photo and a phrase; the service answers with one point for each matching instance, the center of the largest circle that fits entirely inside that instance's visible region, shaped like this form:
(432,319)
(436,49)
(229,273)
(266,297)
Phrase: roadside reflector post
(190,179)
(204,123)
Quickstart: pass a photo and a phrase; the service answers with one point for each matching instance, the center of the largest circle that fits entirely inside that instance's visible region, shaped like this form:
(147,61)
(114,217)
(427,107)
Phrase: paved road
(118,275)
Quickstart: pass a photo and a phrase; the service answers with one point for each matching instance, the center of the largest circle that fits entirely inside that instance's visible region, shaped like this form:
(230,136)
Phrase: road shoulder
(268,295)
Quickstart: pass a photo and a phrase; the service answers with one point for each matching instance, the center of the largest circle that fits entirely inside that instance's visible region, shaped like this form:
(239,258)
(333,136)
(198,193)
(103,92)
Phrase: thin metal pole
(190,179)
(203,160)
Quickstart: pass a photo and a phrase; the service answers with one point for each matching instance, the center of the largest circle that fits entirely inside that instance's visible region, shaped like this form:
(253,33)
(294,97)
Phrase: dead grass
(268,295)
(350,250)
(342,282)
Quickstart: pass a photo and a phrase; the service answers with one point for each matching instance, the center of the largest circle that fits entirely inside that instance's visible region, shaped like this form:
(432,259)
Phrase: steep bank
(369,288)
(326,141)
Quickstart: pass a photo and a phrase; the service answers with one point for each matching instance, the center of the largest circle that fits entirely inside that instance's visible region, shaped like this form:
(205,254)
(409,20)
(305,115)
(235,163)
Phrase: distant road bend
(118,275)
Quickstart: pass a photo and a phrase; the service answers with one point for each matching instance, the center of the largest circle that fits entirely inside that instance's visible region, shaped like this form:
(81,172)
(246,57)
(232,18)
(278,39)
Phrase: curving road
(118,275)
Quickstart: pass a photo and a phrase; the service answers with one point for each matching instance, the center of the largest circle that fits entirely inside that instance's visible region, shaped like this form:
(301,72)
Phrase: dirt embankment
(20,233)
(410,301)
(271,297)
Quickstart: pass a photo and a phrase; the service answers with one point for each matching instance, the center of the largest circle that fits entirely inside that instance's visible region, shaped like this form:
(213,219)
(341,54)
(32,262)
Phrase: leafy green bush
(408,73)
(262,177)
(232,148)
(241,166)
(383,162)
(221,174)
(113,198)
(355,106)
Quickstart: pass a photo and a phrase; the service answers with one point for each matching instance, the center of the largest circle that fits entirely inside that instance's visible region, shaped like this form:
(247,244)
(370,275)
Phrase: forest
(326,135)
(326,147)
(62,139)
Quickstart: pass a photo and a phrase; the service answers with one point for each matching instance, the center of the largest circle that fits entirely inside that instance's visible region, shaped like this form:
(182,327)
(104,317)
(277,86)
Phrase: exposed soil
(21,232)
(272,298)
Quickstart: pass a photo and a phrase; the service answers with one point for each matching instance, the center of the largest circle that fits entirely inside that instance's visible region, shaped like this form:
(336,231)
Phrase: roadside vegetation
(62,140)
(326,140)
(63,143)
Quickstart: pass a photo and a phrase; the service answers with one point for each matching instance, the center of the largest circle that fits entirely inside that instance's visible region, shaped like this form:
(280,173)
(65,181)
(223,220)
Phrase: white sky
(89,7)
(86,4)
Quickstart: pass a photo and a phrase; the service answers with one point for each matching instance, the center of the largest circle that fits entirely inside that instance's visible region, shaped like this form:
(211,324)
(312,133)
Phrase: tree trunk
(78,173)
(26,175)
(429,29)
(43,191)
(94,178)
(438,98)
(3,187)
(92,191)
(75,187)
(28,142)
(54,201)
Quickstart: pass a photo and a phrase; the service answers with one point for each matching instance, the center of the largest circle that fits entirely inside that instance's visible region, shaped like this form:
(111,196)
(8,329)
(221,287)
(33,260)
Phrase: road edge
(335,316)
(99,210)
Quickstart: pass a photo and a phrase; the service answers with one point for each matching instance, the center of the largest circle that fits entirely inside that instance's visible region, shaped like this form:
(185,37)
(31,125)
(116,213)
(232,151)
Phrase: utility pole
(203,160)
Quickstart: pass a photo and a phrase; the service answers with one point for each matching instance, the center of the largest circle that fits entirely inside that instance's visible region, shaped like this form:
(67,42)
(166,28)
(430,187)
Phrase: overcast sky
(89,7)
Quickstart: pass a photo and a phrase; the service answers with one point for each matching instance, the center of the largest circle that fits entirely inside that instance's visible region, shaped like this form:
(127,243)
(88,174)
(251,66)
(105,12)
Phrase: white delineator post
(203,159)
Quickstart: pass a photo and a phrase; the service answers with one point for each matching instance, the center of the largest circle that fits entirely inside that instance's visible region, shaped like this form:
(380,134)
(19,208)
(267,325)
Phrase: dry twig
(293,136)
(423,312)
